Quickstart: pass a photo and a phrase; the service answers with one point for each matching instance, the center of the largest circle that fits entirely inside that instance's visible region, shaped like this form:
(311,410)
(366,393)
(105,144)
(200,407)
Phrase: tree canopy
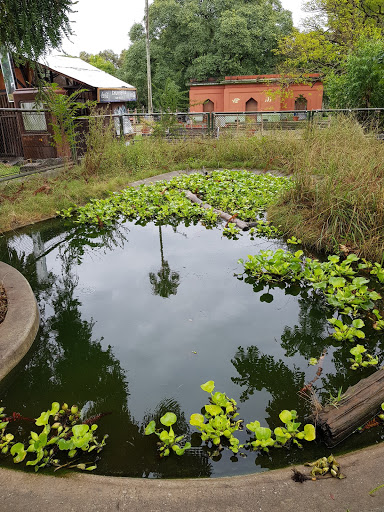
(29,28)
(199,39)
(106,60)
(333,30)
(361,85)
(342,39)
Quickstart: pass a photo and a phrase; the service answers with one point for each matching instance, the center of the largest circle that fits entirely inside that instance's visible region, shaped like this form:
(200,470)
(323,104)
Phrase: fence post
(209,114)
(121,122)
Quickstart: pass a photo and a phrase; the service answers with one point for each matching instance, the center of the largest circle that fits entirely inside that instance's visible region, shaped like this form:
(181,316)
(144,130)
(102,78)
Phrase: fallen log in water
(226,216)
(360,403)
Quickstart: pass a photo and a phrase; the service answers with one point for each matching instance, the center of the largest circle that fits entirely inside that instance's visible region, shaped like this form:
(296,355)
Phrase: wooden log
(226,216)
(360,404)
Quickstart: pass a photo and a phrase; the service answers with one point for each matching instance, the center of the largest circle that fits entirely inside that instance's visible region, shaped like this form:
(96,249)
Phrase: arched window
(251,105)
(208,106)
(301,103)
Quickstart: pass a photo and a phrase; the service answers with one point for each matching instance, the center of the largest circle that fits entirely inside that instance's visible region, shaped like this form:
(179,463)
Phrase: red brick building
(256,93)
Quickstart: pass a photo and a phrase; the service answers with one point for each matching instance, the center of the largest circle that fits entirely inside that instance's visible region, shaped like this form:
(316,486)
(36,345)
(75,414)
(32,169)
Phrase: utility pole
(149,78)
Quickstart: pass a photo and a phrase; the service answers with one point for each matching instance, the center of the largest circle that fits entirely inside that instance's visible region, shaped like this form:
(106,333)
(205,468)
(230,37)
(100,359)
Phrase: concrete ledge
(272,491)
(21,323)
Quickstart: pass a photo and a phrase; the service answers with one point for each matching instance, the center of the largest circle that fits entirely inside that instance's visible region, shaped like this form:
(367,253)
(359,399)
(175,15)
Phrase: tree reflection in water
(67,364)
(166,281)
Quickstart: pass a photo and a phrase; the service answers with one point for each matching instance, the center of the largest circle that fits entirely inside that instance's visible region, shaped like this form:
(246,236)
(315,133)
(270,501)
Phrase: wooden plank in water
(226,216)
(361,403)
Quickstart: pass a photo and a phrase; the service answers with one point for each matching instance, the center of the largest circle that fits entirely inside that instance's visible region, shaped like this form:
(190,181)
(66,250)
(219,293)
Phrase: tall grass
(337,202)
(338,171)
(110,165)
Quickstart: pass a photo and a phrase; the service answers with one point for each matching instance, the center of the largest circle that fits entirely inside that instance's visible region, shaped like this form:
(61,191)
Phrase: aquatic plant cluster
(345,292)
(217,426)
(240,193)
(62,442)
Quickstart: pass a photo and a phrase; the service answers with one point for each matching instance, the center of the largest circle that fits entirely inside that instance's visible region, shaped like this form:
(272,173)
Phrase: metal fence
(251,123)
(21,127)
(10,138)
(178,125)
(183,125)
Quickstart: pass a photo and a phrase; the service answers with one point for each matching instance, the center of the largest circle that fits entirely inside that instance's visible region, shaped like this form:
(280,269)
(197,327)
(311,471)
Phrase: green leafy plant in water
(290,432)
(349,298)
(263,437)
(381,416)
(218,424)
(379,324)
(345,332)
(313,361)
(231,231)
(274,265)
(265,229)
(5,439)
(361,358)
(378,271)
(294,241)
(62,432)
(343,290)
(168,441)
(282,435)
(236,192)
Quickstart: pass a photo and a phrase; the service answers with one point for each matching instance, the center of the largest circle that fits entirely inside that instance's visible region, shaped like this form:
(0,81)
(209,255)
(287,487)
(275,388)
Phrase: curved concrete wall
(21,323)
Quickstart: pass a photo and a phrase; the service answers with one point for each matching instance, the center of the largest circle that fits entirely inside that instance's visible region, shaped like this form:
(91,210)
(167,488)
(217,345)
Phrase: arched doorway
(251,105)
(208,106)
(301,103)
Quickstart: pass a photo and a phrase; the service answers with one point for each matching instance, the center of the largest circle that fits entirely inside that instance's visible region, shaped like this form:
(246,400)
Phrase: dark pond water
(133,321)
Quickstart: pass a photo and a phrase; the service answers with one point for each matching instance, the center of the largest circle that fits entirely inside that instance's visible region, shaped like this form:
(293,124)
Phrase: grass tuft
(337,202)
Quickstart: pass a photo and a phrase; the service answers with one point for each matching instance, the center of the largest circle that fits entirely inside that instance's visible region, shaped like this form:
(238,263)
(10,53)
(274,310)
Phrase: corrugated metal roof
(79,70)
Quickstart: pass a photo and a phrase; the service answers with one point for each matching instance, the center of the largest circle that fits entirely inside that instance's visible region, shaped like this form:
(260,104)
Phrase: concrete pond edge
(21,323)
(269,491)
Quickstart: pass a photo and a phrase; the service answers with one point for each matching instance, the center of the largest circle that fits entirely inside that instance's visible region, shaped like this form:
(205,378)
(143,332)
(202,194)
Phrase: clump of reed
(337,202)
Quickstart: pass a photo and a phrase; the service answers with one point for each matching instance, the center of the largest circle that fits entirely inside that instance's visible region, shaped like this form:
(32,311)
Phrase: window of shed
(34,121)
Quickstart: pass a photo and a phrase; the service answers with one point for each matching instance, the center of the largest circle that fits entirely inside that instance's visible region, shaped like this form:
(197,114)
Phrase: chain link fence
(252,123)
(26,127)
(179,125)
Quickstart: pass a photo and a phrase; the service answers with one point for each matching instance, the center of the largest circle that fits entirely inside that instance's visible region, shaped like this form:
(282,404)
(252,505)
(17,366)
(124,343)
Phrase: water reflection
(166,281)
(108,343)
(259,371)
(310,336)
(68,364)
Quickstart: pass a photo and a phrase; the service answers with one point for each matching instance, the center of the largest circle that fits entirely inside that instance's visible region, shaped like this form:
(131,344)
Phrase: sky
(101,25)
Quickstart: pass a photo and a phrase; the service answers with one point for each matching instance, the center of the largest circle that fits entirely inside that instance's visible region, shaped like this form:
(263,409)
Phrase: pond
(136,318)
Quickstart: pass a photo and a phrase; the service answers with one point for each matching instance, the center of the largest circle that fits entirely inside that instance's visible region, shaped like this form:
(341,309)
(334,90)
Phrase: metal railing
(251,123)
(171,125)
(16,124)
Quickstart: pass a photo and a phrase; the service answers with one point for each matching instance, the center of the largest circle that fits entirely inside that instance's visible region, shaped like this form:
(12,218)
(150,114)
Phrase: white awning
(81,71)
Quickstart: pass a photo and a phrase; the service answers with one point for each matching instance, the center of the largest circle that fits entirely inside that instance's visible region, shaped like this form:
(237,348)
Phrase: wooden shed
(29,134)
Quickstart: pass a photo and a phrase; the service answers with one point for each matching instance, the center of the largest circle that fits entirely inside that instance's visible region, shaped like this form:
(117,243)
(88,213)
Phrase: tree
(199,39)
(362,83)
(133,66)
(333,29)
(106,60)
(29,28)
